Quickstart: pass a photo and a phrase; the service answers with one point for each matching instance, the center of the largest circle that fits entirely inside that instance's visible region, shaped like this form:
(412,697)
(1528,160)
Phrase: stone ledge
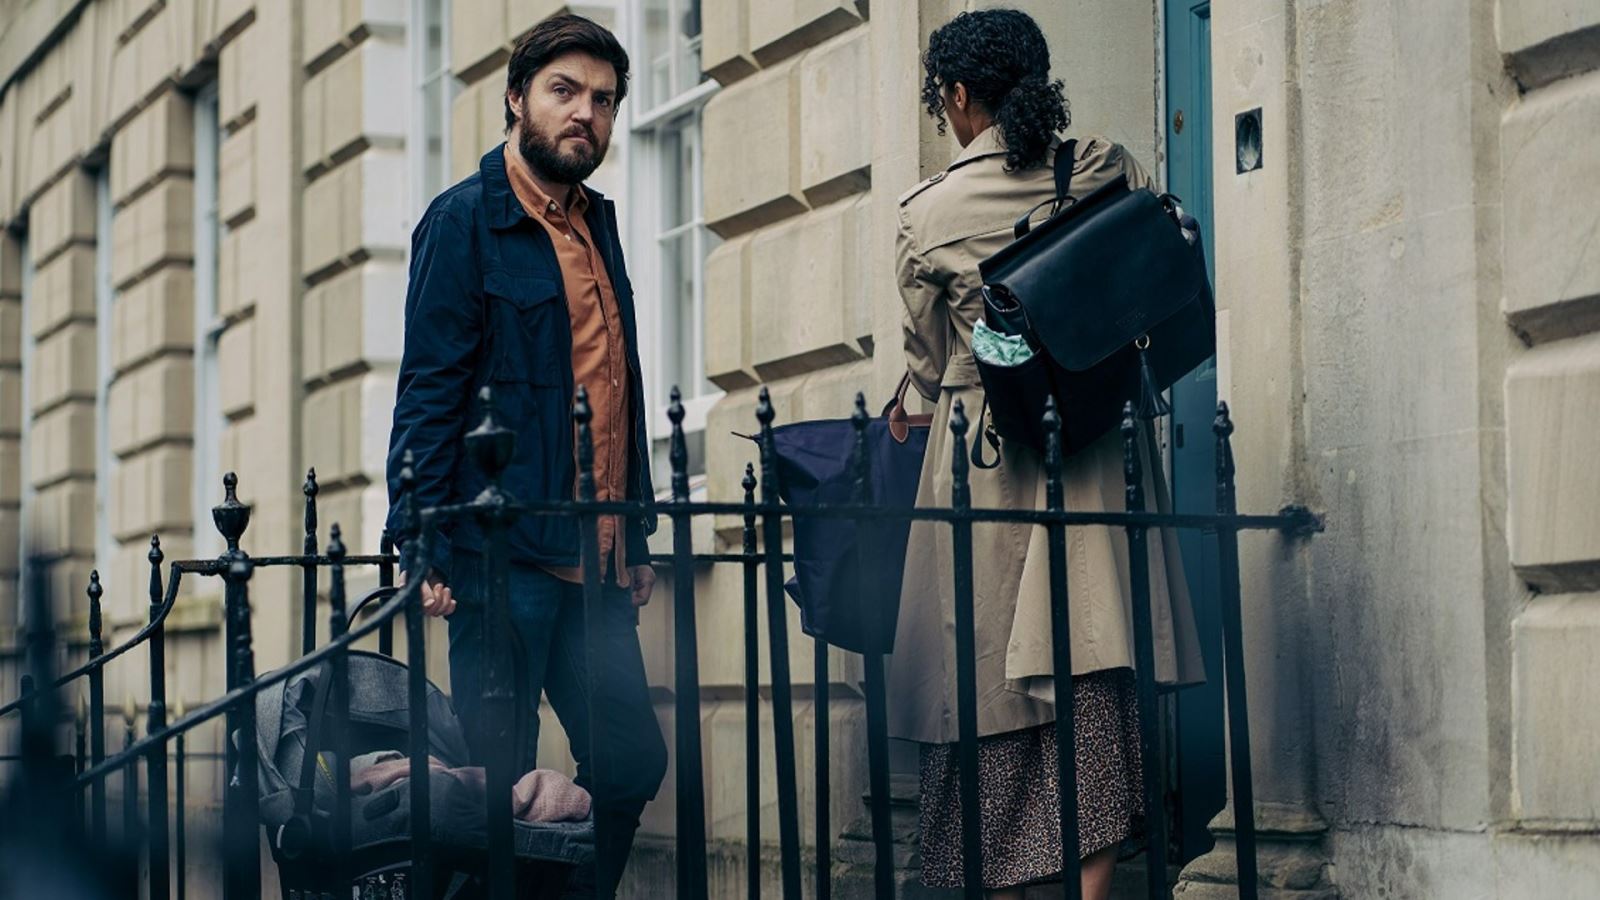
(780,30)
(1552,486)
(1553,667)
(1551,275)
(1548,40)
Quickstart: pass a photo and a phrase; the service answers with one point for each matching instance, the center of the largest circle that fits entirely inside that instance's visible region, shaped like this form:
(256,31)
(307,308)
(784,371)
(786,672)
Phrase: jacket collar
(501,206)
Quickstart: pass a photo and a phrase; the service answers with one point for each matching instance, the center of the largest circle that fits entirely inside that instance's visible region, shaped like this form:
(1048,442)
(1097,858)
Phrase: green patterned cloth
(997,349)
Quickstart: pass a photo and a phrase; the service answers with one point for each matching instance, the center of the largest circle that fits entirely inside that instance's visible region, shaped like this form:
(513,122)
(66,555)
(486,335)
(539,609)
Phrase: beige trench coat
(948,224)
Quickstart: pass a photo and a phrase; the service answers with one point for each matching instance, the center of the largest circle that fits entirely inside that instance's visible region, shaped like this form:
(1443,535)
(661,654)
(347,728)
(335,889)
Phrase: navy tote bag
(847,573)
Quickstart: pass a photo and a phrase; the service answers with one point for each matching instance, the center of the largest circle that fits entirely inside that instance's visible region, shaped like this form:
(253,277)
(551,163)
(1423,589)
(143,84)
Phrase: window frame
(106,463)
(648,125)
(25,490)
(418,137)
(209,323)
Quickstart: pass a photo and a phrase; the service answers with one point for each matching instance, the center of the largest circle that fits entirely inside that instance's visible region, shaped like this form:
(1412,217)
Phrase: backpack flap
(1098,276)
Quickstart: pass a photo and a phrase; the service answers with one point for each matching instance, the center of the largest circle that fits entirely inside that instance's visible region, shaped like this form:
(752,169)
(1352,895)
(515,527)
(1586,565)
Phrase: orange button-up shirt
(599,349)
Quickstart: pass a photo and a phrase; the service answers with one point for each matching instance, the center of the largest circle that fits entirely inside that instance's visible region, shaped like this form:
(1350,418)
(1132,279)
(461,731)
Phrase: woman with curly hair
(988,80)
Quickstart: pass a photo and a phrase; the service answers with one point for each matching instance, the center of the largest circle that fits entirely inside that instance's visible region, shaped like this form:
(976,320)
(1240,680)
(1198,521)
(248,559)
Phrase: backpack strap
(1066,157)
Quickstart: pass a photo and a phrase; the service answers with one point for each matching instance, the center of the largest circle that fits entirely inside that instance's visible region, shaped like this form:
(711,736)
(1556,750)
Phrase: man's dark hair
(1003,59)
(553,37)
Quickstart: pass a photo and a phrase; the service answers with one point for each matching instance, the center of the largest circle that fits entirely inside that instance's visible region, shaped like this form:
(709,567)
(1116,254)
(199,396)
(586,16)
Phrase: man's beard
(546,158)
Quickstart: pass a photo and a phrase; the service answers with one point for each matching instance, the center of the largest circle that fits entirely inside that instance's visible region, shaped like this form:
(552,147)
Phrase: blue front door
(1200,785)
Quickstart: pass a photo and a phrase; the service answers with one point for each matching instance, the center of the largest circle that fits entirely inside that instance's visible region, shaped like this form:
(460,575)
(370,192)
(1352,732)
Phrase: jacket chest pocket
(528,319)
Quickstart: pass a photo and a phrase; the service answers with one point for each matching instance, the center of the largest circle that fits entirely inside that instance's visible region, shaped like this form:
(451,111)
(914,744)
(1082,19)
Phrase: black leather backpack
(1111,294)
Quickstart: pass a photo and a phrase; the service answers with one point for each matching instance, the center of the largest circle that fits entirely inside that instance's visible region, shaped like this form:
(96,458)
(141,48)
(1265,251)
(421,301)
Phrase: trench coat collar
(985,143)
(988,143)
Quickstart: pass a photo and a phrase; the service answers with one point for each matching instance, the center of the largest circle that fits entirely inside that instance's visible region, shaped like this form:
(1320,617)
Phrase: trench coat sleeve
(927,320)
(443,333)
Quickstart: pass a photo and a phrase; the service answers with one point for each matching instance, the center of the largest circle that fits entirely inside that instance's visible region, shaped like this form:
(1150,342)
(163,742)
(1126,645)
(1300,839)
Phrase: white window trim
(105,544)
(26,492)
(644,129)
(417,138)
(209,324)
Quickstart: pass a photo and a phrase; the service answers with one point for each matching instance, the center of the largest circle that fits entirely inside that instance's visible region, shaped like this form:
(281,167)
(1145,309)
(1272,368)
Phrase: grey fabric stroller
(297,796)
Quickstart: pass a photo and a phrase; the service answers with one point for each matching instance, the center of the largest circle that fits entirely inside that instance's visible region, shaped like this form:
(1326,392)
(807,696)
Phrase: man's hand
(436,597)
(644,581)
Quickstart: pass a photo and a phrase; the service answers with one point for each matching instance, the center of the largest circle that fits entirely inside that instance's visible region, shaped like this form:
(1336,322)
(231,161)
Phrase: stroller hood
(378,703)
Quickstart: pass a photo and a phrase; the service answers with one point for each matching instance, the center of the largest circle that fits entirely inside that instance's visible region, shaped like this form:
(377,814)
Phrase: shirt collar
(533,198)
(504,210)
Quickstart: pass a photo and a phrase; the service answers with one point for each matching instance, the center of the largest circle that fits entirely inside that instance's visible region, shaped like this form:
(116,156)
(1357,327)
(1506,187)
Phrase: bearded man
(517,282)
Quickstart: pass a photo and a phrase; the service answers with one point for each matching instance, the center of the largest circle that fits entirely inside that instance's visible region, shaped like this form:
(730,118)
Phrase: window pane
(431,157)
(657,74)
(679,327)
(208,233)
(677,178)
(688,45)
(671,49)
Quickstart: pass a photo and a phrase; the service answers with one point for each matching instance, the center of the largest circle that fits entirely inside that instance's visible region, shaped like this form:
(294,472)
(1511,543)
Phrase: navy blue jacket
(485,305)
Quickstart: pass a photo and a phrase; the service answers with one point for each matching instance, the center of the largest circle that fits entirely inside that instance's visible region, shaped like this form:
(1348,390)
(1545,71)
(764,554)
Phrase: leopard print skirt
(1018,790)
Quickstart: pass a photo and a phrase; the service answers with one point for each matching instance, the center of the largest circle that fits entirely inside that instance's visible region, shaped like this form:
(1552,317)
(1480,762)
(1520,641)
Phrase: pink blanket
(543,795)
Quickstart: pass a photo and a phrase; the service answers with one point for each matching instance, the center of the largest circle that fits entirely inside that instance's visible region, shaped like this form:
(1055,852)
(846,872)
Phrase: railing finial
(1132,471)
(95,592)
(491,446)
(336,547)
(860,461)
(960,489)
(679,451)
(583,414)
(231,517)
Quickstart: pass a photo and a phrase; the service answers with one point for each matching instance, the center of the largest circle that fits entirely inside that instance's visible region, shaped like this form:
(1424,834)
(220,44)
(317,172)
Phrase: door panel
(1200,790)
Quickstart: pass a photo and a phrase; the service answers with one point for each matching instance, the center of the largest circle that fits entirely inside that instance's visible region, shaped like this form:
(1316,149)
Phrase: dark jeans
(547,619)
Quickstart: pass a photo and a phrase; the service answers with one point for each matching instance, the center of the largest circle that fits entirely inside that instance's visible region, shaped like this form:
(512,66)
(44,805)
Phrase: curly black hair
(1003,59)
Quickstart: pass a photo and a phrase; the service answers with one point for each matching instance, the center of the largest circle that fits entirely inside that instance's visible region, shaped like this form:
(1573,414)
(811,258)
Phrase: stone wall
(1406,305)
(1551,299)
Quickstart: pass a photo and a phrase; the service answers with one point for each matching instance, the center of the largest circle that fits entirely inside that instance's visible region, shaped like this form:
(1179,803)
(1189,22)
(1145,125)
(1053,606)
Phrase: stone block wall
(1551,272)
(353,246)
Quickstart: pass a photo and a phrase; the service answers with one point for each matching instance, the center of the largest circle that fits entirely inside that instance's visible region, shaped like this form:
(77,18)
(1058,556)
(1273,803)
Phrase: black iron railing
(762,560)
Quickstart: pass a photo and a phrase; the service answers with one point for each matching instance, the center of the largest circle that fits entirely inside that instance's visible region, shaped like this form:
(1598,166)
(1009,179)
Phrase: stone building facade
(206,207)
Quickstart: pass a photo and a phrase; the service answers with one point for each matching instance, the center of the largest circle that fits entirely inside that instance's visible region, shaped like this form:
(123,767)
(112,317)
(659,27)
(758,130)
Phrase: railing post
(691,819)
(308,587)
(160,874)
(416,564)
(966,660)
(97,714)
(1244,814)
(593,610)
(778,657)
(1061,644)
(130,785)
(27,713)
(823,827)
(241,802)
(338,624)
(386,579)
(752,693)
(80,756)
(491,447)
(180,762)
(876,682)
(1144,666)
